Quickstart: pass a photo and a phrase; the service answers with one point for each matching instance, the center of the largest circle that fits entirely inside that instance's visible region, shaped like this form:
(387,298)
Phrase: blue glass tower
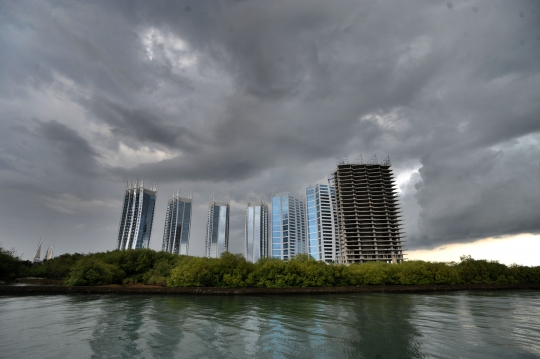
(321,230)
(177,225)
(288,226)
(137,217)
(217,229)
(256,245)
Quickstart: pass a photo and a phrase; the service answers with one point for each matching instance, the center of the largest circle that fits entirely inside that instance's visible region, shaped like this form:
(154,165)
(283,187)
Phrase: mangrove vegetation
(232,270)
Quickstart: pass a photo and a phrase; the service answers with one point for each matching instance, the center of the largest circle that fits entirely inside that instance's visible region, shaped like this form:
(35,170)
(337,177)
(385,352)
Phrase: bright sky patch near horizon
(522,249)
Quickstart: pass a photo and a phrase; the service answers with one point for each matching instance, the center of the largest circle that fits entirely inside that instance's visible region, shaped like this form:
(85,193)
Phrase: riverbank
(148,289)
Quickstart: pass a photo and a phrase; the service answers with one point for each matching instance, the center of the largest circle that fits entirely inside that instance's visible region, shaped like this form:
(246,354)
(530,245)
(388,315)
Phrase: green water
(498,324)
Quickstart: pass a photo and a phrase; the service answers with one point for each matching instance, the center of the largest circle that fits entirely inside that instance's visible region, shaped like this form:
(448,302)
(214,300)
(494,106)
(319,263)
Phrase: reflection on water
(485,324)
(368,325)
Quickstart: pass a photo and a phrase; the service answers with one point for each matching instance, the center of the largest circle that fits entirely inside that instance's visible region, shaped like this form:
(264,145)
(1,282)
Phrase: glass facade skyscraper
(288,226)
(321,229)
(177,225)
(256,245)
(137,217)
(217,229)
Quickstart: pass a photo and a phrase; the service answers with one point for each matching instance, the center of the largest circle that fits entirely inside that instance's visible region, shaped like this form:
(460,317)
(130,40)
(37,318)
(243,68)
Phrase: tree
(92,271)
(11,266)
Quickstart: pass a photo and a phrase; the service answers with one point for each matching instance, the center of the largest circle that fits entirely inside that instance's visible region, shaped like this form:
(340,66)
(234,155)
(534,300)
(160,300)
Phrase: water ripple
(368,325)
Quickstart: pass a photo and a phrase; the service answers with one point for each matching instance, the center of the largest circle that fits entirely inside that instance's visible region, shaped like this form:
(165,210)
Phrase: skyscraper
(137,217)
(321,229)
(177,225)
(256,245)
(288,226)
(367,212)
(217,229)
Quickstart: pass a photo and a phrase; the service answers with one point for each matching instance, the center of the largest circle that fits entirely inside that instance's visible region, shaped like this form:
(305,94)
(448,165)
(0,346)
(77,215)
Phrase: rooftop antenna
(373,160)
(387,161)
(359,160)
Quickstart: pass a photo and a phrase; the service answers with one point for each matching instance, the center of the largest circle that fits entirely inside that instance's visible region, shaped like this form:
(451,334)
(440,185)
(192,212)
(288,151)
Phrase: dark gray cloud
(142,125)
(76,153)
(248,97)
(465,196)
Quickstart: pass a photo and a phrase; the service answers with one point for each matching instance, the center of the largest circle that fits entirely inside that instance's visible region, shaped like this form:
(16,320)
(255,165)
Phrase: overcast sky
(243,98)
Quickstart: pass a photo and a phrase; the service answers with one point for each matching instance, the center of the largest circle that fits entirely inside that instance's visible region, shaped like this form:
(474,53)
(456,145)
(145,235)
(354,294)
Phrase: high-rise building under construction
(368,218)
(137,216)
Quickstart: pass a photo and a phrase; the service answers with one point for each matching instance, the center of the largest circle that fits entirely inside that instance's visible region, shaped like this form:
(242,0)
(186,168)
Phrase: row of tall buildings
(351,216)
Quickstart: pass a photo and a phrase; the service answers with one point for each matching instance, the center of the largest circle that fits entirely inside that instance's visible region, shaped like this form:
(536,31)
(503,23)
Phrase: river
(466,324)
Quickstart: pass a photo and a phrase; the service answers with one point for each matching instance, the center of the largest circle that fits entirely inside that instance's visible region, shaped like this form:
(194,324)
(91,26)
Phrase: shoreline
(146,289)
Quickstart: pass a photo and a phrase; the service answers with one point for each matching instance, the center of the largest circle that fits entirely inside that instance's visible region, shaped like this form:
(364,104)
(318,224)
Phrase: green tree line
(147,266)
(11,266)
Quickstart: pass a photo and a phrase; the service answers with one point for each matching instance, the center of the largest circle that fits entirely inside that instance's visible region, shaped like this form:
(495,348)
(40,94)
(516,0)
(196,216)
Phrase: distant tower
(367,212)
(217,229)
(177,225)
(288,226)
(321,221)
(137,217)
(37,256)
(49,253)
(256,245)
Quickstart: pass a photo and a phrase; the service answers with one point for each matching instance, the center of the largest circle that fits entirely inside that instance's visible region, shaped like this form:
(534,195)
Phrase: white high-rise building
(177,225)
(321,221)
(256,244)
(323,243)
(288,226)
(217,229)
(137,217)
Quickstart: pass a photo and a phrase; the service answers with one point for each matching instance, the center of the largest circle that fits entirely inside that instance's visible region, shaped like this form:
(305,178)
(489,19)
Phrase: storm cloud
(76,153)
(244,98)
